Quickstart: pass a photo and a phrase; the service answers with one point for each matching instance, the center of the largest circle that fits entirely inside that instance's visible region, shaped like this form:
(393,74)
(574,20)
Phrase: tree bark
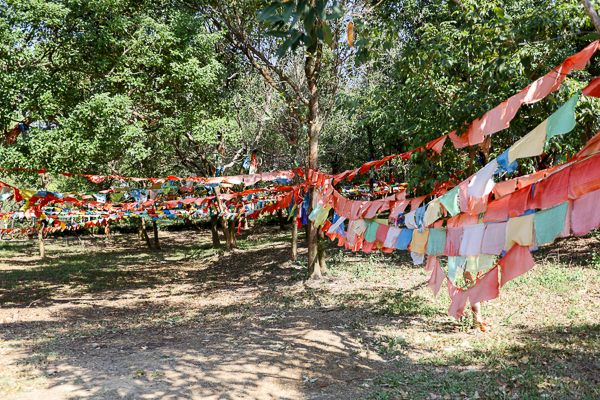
(142,233)
(294,253)
(225,228)
(321,246)
(232,224)
(155,229)
(214,230)
(245,223)
(140,229)
(41,240)
(222,220)
(280,218)
(311,71)
(592,13)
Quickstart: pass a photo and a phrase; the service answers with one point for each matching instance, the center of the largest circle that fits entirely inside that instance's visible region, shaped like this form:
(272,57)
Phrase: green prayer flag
(371,233)
(450,201)
(563,120)
(550,223)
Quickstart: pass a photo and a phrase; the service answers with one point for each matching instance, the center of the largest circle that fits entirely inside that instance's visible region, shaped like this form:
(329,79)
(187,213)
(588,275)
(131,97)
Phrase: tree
(456,62)
(306,27)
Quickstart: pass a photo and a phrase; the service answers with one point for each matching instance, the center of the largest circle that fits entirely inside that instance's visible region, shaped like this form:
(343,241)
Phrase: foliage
(451,65)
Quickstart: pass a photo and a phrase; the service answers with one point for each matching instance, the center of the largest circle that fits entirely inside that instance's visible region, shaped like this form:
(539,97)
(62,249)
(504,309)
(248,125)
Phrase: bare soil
(110,321)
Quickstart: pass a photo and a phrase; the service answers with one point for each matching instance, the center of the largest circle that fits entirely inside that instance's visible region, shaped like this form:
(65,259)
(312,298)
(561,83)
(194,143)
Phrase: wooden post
(592,13)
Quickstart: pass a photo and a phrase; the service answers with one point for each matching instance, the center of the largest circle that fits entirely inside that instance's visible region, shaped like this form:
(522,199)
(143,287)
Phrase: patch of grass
(406,304)
(551,276)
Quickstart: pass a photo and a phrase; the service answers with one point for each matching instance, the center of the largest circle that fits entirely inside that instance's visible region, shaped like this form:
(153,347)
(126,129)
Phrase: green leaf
(299,11)
(269,11)
(310,19)
(306,40)
(327,37)
(284,48)
(320,6)
(288,9)
(499,12)
(336,12)
(280,34)
(296,40)
(590,36)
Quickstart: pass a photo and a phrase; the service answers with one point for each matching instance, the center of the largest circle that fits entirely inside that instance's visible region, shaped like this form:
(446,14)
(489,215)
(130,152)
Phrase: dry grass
(113,321)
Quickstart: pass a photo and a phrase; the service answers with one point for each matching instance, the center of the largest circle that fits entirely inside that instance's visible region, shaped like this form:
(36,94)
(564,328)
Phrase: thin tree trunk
(592,13)
(321,246)
(155,229)
(232,224)
(222,220)
(225,228)
(294,255)
(280,218)
(41,240)
(311,72)
(143,233)
(245,223)
(214,230)
(140,229)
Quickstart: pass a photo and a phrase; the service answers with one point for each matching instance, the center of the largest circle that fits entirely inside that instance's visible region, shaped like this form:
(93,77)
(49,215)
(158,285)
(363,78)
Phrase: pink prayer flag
(459,300)
(484,290)
(437,276)
(399,208)
(437,144)
(515,263)
(585,217)
(593,89)
(585,177)
(459,142)
(416,202)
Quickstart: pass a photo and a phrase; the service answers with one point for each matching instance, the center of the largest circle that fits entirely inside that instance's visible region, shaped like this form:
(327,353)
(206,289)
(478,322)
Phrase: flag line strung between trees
(574,186)
(491,122)
(512,232)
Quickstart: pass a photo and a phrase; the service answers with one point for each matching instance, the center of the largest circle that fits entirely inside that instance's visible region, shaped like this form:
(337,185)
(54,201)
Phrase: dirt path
(191,323)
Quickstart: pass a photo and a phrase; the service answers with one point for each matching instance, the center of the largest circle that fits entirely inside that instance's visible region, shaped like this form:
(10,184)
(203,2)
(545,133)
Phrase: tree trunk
(225,228)
(41,240)
(232,226)
(140,229)
(155,229)
(294,255)
(142,233)
(222,220)
(321,246)
(592,13)
(280,218)
(245,223)
(214,230)
(311,71)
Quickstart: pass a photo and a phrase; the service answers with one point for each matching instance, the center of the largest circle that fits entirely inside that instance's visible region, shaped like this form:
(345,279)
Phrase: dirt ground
(114,320)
